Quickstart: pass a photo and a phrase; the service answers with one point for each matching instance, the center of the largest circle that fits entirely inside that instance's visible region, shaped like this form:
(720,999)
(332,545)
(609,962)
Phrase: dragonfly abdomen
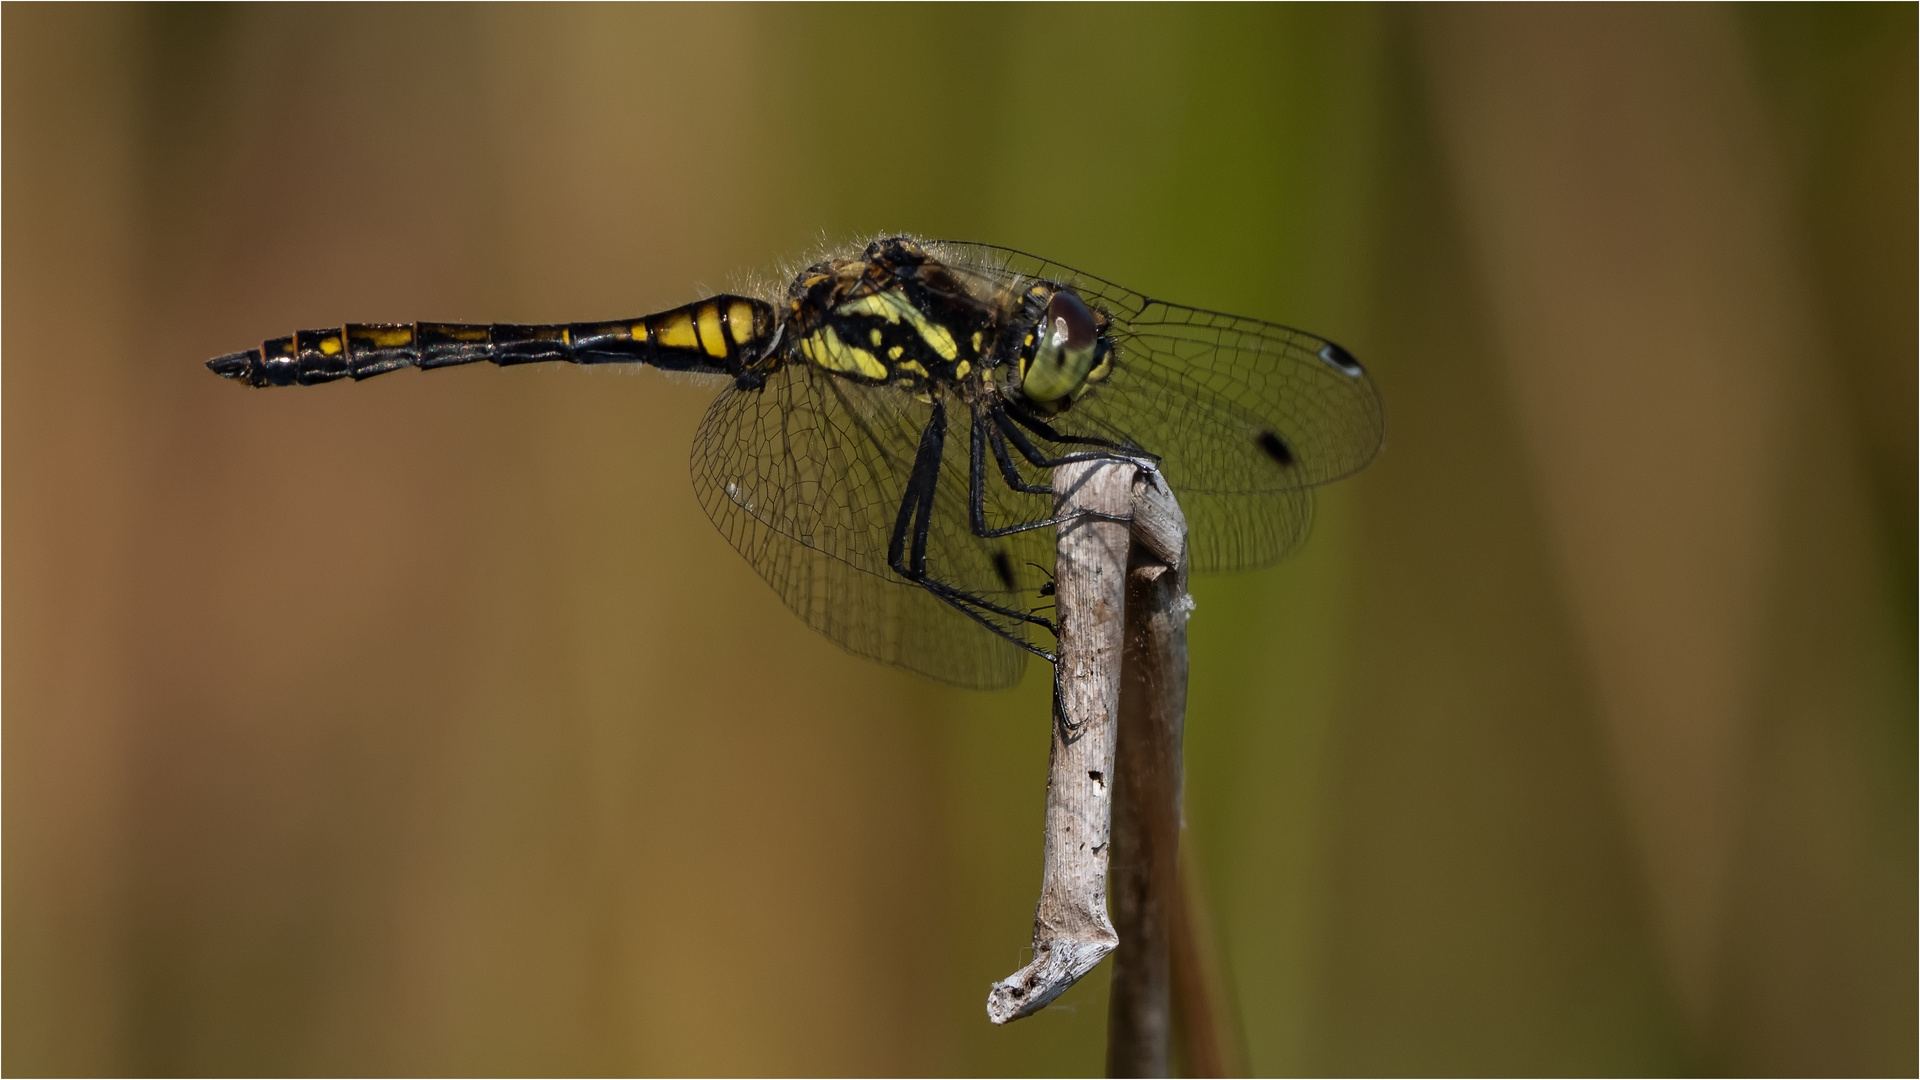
(717,335)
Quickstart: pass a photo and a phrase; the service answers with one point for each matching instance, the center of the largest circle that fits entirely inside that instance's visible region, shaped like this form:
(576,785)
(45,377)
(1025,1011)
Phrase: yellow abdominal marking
(711,337)
(675,331)
(389,339)
(329,345)
(892,305)
(740,321)
(825,349)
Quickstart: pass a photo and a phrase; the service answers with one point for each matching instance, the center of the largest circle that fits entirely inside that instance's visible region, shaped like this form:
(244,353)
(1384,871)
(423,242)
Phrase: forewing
(805,476)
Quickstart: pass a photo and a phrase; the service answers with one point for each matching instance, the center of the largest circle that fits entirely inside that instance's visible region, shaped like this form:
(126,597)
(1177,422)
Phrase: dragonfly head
(1066,351)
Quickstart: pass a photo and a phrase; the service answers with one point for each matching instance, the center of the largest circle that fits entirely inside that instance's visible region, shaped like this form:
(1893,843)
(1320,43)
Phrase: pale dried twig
(1071,931)
(1122,604)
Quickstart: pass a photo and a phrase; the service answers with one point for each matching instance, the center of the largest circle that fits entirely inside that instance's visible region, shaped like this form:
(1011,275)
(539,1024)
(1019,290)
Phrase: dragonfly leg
(916,507)
(1008,471)
(977,490)
(1046,431)
(907,548)
(1110,451)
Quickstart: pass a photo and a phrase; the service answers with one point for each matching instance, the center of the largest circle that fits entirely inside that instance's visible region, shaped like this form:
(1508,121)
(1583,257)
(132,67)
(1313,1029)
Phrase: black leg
(916,504)
(973,606)
(926,477)
(1032,453)
(1069,731)
(977,490)
(1046,431)
(916,514)
(1008,470)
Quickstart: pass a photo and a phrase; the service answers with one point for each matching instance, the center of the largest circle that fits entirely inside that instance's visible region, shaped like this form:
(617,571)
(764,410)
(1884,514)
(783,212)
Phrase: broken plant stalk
(1122,604)
(1071,931)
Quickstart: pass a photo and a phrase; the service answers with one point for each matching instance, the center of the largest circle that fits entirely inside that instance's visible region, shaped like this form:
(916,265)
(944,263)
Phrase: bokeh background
(427,726)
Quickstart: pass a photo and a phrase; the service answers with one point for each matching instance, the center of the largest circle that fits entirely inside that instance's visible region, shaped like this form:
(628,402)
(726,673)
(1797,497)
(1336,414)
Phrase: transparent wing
(1245,415)
(805,477)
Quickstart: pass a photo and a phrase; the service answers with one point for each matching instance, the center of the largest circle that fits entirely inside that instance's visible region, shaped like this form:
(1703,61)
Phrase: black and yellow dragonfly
(825,458)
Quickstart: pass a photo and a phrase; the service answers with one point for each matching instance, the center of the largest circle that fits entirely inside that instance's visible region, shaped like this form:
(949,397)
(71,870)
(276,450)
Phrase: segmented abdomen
(716,335)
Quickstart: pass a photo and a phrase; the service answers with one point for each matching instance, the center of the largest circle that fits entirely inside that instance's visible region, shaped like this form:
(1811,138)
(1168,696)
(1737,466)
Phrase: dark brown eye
(1069,325)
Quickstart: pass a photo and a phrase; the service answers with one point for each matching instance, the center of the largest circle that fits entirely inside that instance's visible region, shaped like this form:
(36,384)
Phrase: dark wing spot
(1004,567)
(1275,449)
(1340,358)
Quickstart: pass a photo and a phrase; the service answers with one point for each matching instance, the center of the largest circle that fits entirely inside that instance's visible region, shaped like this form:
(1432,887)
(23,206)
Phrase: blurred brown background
(427,726)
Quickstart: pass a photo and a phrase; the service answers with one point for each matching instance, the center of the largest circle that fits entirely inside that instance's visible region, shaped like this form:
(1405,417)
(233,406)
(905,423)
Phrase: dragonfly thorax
(894,316)
(899,316)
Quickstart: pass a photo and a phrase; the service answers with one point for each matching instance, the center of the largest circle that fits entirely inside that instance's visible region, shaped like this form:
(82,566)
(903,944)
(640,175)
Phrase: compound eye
(1069,324)
(1063,355)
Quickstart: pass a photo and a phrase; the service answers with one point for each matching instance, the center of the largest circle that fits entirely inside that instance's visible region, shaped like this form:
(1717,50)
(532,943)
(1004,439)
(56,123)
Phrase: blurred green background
(427,726)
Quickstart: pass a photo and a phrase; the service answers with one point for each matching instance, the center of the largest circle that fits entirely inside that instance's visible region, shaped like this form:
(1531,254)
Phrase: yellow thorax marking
(893,306)
(711,337)
(914,367)
(825,349)
(675,331)
(960,370)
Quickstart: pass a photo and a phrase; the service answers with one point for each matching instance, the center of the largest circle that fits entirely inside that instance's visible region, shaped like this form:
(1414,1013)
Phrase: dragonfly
(881,447)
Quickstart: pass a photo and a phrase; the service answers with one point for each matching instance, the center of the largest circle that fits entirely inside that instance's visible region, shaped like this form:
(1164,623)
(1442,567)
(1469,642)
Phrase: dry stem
(1146,813)
(1122,608)
(1071,932)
